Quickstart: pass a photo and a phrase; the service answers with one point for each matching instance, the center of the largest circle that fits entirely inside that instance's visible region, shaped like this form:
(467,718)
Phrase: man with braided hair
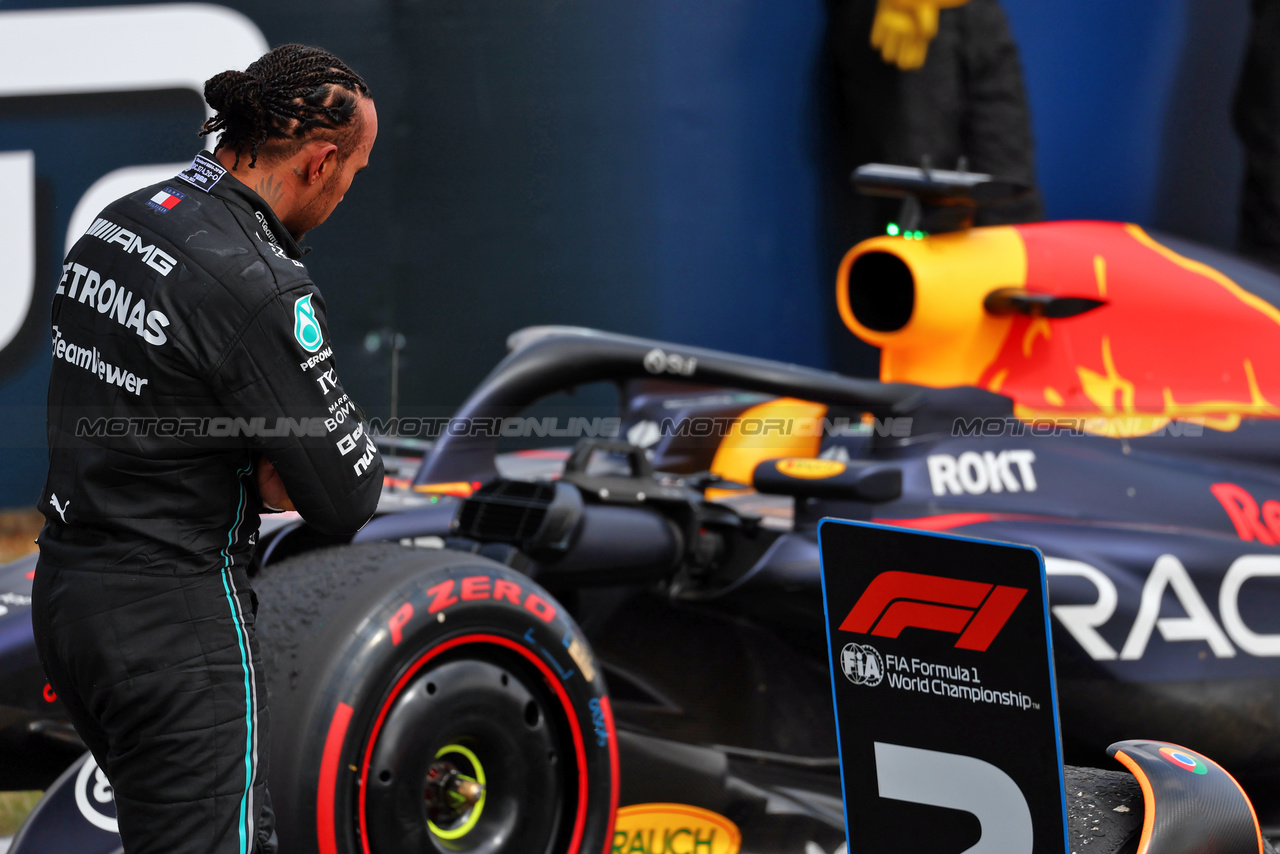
(185,318)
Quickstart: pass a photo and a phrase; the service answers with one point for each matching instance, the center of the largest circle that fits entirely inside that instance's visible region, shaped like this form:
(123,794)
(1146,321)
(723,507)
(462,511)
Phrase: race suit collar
(231,189)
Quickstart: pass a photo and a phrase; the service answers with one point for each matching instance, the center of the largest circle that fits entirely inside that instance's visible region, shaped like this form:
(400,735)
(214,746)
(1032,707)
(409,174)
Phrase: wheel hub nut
(449,794)
(468,792)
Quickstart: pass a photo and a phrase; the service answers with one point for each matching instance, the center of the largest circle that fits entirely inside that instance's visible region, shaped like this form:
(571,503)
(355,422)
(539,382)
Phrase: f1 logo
(898,600)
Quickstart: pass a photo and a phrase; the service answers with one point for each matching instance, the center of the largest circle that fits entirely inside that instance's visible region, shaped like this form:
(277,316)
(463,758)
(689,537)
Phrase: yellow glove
(903,29)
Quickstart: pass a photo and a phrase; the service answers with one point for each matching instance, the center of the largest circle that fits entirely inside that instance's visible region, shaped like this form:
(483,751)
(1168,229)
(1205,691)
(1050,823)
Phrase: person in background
(1257,121)
(936,82)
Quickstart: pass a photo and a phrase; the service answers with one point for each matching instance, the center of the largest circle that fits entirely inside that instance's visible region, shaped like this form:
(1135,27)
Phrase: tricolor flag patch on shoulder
(165,200)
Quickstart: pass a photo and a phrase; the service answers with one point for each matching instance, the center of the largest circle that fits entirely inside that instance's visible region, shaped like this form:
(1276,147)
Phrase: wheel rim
(480,709)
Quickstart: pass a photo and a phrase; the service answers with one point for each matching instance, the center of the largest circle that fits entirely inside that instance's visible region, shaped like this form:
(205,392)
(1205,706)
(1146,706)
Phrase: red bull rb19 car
(439,681)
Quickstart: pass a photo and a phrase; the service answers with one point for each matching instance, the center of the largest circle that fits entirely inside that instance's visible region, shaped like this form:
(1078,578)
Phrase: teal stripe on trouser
(238,618)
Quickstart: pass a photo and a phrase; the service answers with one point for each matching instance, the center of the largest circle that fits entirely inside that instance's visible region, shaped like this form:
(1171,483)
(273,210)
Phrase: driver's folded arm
(281,369)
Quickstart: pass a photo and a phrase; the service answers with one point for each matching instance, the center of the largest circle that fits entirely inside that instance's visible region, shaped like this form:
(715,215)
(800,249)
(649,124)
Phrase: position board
(942,673)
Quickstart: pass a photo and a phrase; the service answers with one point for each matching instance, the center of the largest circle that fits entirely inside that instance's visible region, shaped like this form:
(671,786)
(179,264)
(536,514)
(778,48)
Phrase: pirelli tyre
(428,700)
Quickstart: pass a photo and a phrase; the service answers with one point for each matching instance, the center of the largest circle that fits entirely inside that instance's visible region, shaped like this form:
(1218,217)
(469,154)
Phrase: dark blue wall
(738,175)
(1131,109)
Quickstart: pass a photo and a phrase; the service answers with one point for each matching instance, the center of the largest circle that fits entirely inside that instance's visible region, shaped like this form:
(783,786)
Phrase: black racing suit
(1257,120)
(188,343)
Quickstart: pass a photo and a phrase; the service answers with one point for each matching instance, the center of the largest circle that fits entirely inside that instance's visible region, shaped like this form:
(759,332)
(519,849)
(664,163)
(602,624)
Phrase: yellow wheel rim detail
(468,825)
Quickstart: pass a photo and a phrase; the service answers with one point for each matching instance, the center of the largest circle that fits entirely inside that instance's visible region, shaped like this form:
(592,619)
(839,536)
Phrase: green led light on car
(895,230)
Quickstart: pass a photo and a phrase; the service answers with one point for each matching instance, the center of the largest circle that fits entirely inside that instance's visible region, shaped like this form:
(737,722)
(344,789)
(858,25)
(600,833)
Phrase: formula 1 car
(438,682)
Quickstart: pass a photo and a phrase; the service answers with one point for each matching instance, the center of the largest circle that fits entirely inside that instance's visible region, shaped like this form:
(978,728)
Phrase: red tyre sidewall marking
(325,832)
(578,745)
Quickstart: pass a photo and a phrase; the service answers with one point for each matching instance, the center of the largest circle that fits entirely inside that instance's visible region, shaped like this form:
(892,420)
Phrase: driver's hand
(902,29)
(271,487)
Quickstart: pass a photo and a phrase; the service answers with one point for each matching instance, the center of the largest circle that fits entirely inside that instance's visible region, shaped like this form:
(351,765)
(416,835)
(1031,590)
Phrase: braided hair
(290,94)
